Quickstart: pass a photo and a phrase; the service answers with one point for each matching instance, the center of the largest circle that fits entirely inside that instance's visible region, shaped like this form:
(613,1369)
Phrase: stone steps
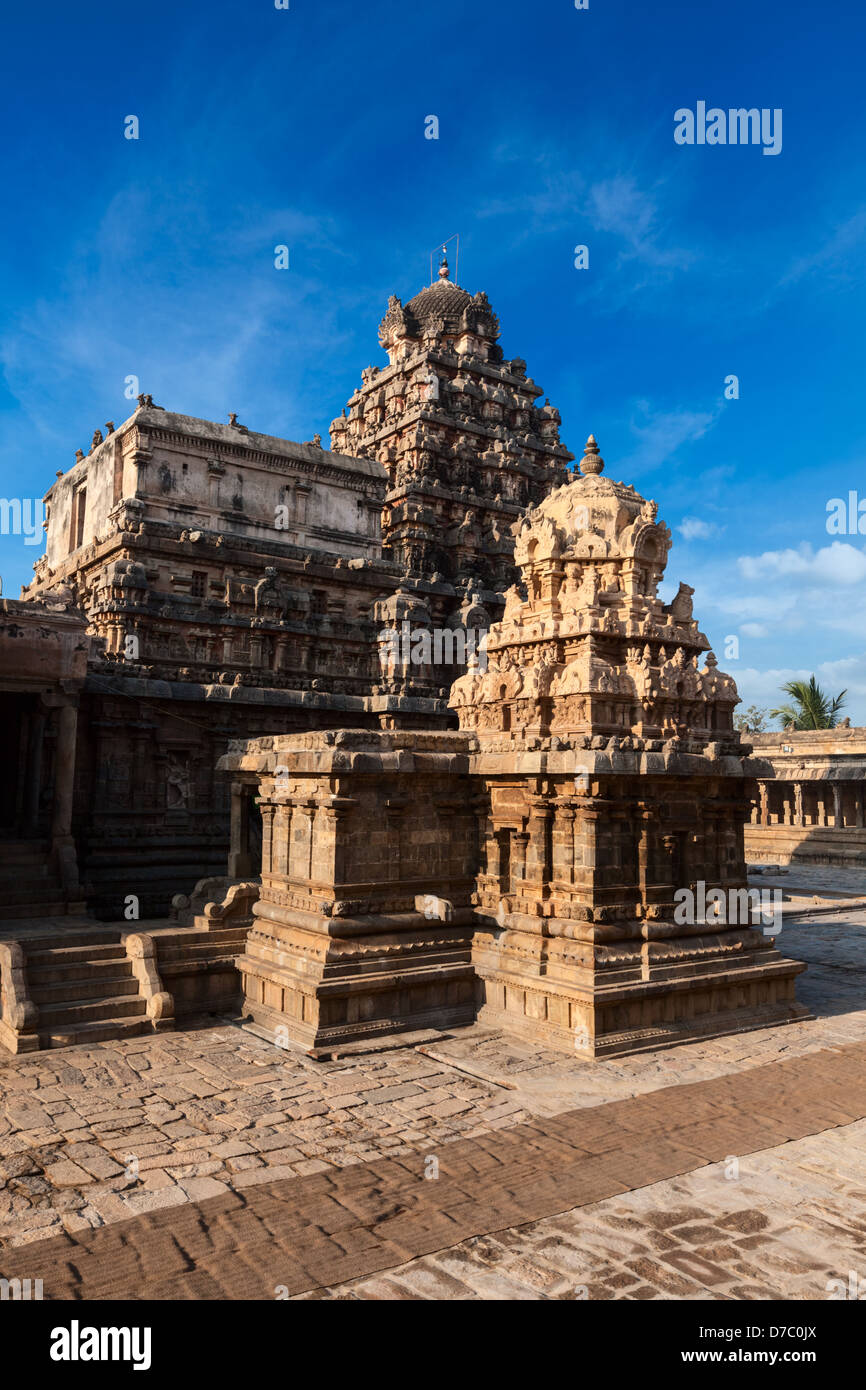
(22,891)
(18,850)
(84,988)
(103,1030)
(18,873)
(69,950)
(61,972)
(102,986)
(29,886)
(91,1010)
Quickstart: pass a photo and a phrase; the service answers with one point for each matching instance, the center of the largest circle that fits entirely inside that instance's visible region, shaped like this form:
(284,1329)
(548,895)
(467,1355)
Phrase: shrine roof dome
(442,300)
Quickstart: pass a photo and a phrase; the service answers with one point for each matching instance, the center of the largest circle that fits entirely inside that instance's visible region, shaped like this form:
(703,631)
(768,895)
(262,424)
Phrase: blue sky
(305,127)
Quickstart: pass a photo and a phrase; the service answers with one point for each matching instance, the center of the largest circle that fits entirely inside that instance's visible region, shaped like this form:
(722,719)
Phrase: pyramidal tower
(466,446)
(613,910)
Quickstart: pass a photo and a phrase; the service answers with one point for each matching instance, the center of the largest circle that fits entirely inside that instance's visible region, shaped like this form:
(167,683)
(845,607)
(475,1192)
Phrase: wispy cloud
(693,528)
(116,313)
(553,199)
(836,258)
(633,215)
(660,434)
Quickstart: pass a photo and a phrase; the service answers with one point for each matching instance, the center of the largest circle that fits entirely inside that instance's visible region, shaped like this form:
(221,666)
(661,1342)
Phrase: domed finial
(444,271)
(592,462)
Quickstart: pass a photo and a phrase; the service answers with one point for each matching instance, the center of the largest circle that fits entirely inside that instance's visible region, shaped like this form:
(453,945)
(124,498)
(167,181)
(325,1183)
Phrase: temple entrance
(21,734)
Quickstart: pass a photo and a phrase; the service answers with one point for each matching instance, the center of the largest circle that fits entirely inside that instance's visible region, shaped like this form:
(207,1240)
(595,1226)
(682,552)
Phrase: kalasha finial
(444,270)
(592,462)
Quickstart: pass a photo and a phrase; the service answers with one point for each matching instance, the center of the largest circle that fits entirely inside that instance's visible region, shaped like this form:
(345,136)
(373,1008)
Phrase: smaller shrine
(546,869)
(617,792)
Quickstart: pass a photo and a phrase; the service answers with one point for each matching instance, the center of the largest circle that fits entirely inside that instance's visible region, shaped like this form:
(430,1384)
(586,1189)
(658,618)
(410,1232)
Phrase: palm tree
(812,708)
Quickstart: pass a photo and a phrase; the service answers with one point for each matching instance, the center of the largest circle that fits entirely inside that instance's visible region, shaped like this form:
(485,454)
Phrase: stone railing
(18,1014)
(141,953)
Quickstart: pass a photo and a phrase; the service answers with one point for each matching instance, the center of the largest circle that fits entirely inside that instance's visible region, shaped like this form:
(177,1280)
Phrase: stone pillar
(520,842)
(838,817)
(268,813)
(672,862)
(239,847)
(585,851)
(330,855)
(62,842)
(537,853)
(394,809)
(798,804)
(643,854)
(563,845)
(763,803)
(494,855)
(858,807)
(64,778)
(787,805)
(280,842)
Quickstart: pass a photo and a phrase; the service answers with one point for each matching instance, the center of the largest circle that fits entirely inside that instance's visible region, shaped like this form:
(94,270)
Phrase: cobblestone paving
(89,1136)
(325,1229)
(811,880)
(787,1223)
(169,1128)
(834,988)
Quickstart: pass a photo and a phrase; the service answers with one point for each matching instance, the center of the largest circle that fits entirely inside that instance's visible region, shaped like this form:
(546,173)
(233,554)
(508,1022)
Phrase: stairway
(84,988)
(28,885)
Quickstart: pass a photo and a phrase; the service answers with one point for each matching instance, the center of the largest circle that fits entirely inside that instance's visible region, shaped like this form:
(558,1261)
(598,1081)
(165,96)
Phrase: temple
(234,583)
(344,835)
(810,803)
(527,871)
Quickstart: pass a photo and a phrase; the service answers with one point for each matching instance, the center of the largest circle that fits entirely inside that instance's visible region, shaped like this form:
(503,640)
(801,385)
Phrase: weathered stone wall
(176,468)
(40,648)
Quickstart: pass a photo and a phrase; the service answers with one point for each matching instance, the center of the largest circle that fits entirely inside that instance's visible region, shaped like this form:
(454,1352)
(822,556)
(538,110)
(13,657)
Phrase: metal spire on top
(444,268)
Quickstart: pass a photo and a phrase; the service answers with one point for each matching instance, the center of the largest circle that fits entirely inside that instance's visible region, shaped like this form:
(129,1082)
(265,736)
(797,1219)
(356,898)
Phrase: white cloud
(764,688)
(836,256)
(659,434)
(618,206)
(838,564)
(692,528)
(105,322)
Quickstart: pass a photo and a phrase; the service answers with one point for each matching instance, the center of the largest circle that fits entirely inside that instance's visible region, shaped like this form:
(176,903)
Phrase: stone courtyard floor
(210,1164)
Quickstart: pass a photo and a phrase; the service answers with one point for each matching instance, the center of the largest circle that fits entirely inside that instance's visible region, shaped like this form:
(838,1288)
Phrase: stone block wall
(364,925)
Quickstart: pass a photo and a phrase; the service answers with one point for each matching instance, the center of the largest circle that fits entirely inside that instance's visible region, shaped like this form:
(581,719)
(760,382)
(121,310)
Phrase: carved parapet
(207,893)
(236,908)
(141,952)
(19,1016)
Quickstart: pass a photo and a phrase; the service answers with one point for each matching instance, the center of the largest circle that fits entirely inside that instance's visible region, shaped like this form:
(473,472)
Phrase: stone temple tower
(465,445)
(616,793)
(568,865)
